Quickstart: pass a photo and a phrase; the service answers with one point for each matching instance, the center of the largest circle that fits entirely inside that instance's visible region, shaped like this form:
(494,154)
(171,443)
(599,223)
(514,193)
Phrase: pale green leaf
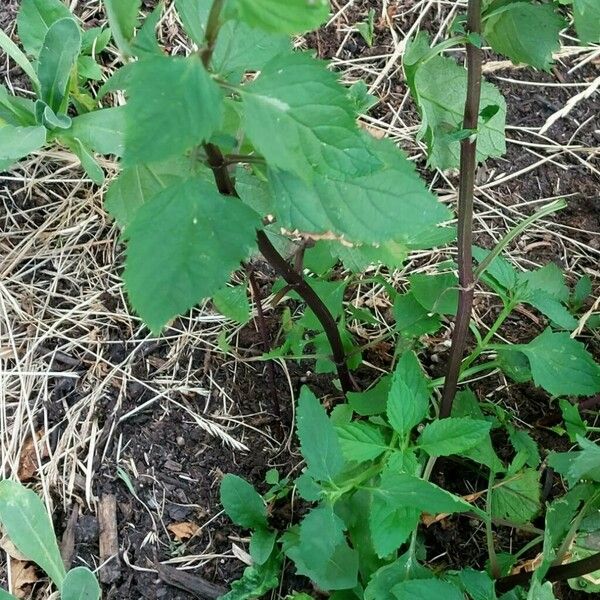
(80,584)
(123,20)
(15,110)
(26,522)
(88,68)
(453,435)
(384,579)
(361,441)
(553,309)
(15,53)
(91,167)
(233,303)
(549,279)
(102,130)
(35,18)
(525,33)
(262,543)
(182,247)
(437,293)
(427,589)
(517,497)
(242,503)
(587,20)
(169,128)
(572,419)
(17,142)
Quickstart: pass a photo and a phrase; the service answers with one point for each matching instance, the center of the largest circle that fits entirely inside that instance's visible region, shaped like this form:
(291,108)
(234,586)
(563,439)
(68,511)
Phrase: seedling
(366,28)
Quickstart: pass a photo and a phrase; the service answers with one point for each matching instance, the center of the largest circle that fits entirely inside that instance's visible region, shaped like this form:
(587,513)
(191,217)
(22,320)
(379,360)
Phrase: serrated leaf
(437,293)
(80,584)
(412,319)
(553,309)
(427,589)
(242,503)
(293,16)
(175,127)
(322,552)
(26,522)
(572,419)
(102,130)
(500,269)
(509,31)
(517,497)
(182,246)
(372,401)
(331,293)
(299,118)
(17,142)
(58,55)
(562,365)
(361,441)
(233,303)
(523,442)
(587,20)
(439,87)
(392,204)
(123,20)
(359,257)
(453,435)
(549,279)
(35,18)
(319,443)
(408,400)
(585,464)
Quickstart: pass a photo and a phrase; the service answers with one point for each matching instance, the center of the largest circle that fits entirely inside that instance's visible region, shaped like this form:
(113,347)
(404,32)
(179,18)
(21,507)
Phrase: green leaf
(4,595)
(573,422)
(17,142)
(15,110)
(145,43)
(361,441)
(57,57)
(319,443)
(256,581)
(300,119)
(439,87)
(175,127)
(549,279)
(293,16)
(509,31)
(374,400)
(95,40)
(88,162)
(581,292)
(242,503)
(427,589)
(392,204)
(80,584)
(262,543)
(478,584)
(408,400)
(586,464)
(562,365)
(193,15)
(25,521)
(514,364)
(35,18)
(523,442)
(587,20)
(553,309)
(412,319)
(500,269)
(331,293)
(182,246)
(233,303)
(322,552)
(517,497)
(453,435)
(123,20)
(14,52)
(359,257)
(88,68)
(541,591)
(436,293)
(101,130)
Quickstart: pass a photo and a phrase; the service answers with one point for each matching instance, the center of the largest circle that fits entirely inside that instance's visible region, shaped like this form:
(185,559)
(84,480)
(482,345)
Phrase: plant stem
(465,374)
(226,186)
(468,163)
(489,533)
(213,24)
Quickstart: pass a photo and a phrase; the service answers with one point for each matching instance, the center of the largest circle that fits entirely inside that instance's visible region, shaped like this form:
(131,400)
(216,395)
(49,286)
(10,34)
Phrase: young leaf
(300,119)
(562,365)
(437,293)
(587,20)
(25,521)
(412,319)
(293,16)
(408,400)
(517,497)
(390,525)
(17,142)
(477,584)
(233,303)
(193,15)
(318,440)
(361,441)
(242,503)
(35,18)
(523,442)
(176,127)
(145,44)
(57,57)
(123,20)
(256,581)
(514,364)
(453,435)
(262,543)
(14,52)
(88,162)
(572,419)
(182,246)
(427,589)
(102,130)
(510,31)
(586,464)
(15,110)
(373,401)
(322,552)
(80,584)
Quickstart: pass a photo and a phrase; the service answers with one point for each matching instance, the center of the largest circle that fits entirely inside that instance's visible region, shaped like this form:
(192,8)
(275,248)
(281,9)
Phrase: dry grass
(64,321)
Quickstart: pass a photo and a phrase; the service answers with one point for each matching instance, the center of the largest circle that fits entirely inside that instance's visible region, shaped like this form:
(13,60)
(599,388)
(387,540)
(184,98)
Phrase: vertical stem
(468,164)
(213,25)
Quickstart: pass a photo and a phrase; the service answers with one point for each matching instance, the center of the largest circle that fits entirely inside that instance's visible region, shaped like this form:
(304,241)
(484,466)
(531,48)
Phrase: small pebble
(180,441)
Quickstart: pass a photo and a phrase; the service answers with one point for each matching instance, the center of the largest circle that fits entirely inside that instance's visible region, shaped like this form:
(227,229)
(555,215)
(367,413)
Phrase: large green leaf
(526,33)
(361,441)
(439,87)
(437,293)
(102,130)
(517,497)
(123,20)
(156,126)
(322,552)
(26,522)
(453,435)
(427,589)
(80,584)
(587,20)
(57,57)
(384,579)
(300,119)
(242,503)
(390,524)
(193,15)
(35,18)
(17,142)
(291,16)
(14,52)
(319,443)
(561,365)
(392,204)
(182,247)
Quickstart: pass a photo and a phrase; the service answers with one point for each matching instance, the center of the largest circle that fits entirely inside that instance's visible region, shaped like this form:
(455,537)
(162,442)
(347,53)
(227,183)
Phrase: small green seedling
(366,28)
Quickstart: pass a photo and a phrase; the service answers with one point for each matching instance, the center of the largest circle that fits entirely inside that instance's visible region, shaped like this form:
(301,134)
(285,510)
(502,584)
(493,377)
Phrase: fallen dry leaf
(23,575)
(183,531)
(28,464)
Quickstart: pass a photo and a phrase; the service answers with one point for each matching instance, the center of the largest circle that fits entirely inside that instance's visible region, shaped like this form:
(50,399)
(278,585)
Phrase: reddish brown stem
(468,163)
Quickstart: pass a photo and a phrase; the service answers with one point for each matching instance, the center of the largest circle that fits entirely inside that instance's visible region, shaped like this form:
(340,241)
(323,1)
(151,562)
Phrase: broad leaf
(517,497)
(17,142)
(35,18)
(233,303)
(15,110)
(300,119)
(587,20)
(526,33)
(478,584)
(437,293)
(242,503)
(292,16)
(193,15)
(372,401)
(145,43)
(262,543)
(26,522)
(453,435)
(172,127)
(319,443)
(427,589)
(102,130)
(561,365)
(361,441)
(80,584)
(392,204)
(57,57)
(256,581)
(412,319)
(123,20)
(391,525)
(182,247)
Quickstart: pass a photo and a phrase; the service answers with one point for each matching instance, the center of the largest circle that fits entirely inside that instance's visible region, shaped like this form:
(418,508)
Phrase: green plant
(25,521)
(366,28)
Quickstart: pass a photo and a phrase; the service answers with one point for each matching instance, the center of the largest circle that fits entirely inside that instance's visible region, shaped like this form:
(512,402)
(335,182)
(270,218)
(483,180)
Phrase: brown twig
(192,584)
(109,540)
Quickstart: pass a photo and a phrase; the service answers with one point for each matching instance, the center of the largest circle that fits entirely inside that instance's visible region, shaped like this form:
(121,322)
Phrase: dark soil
(175,467)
